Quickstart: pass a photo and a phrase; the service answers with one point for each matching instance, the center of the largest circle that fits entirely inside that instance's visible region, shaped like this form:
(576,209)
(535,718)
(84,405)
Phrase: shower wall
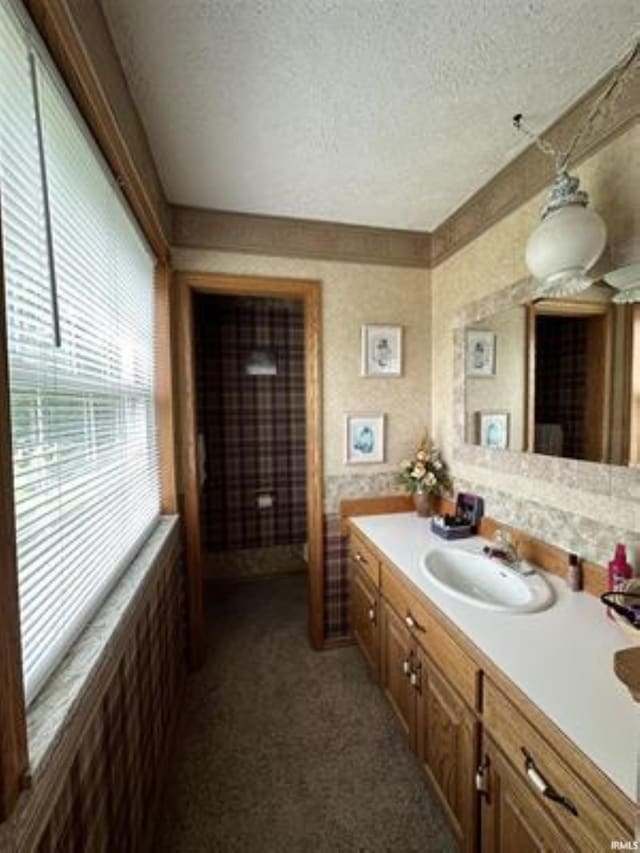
(251,418)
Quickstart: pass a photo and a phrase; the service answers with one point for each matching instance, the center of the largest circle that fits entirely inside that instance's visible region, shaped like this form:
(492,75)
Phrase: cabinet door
(399,661)
(365,622)
(511,814)
(448,749)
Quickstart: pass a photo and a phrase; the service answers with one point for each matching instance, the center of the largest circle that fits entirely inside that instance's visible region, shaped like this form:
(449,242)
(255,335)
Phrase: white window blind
(79,314)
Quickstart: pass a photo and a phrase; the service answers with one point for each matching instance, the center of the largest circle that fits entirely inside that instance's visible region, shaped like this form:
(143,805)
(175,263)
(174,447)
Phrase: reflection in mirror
(557,377)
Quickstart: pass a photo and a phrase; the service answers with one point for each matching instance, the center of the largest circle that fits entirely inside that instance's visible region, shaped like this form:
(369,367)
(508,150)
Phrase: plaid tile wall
(336,580)
(101,791)
(253,425)
(561,379)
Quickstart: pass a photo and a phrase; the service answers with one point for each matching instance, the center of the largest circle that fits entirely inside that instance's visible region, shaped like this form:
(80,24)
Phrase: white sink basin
(485,582)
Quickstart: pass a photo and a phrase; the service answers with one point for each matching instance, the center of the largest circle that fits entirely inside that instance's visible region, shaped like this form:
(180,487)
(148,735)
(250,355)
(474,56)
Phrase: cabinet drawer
(593,827)
(445,653)
(365,558)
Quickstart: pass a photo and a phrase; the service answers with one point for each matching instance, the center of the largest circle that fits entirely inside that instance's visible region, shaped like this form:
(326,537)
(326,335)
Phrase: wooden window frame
(164,388)
(187,284)
(14,758)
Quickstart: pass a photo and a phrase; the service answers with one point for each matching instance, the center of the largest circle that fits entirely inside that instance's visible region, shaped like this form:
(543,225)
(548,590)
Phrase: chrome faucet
(506,549)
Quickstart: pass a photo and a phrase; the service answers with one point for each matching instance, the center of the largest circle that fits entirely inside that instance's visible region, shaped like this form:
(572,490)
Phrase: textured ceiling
(378,112)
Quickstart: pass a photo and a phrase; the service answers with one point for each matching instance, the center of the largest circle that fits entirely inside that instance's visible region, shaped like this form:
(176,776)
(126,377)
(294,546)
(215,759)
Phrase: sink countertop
(561,658)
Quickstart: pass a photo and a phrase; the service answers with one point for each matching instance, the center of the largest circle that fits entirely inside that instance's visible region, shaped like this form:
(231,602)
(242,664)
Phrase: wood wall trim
(309,292)
(78,38)
(532,171)
(302,238)
(196,644)
(164,391)
(13,731)
(353,507)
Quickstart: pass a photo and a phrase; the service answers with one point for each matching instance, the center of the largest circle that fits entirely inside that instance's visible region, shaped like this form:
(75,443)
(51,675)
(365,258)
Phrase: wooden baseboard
(337,643)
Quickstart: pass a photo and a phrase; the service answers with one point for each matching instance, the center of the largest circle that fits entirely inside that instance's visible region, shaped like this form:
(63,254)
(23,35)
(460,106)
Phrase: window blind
(80,330)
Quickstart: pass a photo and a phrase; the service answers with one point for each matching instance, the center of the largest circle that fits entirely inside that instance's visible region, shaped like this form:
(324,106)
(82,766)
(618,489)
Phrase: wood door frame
(308,291)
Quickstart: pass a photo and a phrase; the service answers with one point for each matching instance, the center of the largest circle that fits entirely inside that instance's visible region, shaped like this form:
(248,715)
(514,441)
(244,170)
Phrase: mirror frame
(588,476)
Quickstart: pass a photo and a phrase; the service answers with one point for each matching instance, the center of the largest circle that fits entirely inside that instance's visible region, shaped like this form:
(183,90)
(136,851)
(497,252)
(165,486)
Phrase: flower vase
(425,503)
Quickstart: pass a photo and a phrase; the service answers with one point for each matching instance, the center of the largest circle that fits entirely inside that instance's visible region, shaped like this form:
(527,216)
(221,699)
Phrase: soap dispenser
(619,569)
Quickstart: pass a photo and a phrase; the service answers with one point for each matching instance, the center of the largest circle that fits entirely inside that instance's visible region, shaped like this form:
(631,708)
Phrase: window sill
(55,707)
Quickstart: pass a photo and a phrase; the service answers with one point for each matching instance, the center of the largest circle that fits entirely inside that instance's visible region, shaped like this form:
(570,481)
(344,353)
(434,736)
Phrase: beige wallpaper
(353,294)
(495,260)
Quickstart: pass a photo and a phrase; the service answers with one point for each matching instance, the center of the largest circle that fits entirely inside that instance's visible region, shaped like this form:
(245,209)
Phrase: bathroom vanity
(523,730)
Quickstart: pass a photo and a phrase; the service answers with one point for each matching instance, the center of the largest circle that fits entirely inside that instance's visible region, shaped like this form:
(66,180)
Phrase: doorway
(253,515)
(572,379)
(251,435)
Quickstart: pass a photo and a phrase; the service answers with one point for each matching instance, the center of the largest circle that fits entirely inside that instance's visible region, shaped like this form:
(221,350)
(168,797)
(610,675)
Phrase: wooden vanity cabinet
(512,816)
(399,669)
(487,752)
(365,617)
(447,742)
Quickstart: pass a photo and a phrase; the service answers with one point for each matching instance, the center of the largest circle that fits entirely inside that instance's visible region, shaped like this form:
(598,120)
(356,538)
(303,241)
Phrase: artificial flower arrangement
(426,473)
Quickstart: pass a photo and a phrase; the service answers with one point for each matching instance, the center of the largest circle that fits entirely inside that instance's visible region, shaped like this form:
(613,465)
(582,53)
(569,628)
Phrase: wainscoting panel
(98,789)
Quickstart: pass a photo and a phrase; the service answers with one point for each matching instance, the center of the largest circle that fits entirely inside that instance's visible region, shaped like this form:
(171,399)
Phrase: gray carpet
(282,749)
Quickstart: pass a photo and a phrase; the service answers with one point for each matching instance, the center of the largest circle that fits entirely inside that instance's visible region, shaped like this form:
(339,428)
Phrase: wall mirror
(557,377)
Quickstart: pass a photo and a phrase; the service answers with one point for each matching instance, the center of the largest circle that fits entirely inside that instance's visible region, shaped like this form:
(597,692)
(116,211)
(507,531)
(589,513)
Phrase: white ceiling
(378,112)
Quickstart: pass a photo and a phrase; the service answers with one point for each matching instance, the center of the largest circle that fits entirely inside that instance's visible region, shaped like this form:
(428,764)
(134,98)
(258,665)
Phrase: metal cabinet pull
(406,667)
(482,779)
(371,613)
(410,622)
(546,789)
(414,678)
(360,559)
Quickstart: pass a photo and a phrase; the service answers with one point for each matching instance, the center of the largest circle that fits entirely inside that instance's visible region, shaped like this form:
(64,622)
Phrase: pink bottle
(619,569)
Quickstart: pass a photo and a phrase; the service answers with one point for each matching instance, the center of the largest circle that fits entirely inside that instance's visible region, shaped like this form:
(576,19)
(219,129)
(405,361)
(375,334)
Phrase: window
(78,283)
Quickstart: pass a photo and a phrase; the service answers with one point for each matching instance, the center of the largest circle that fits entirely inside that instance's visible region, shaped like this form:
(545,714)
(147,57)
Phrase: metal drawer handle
(406,667)
(540,783)
(360,558)
(410,622)
(371,613)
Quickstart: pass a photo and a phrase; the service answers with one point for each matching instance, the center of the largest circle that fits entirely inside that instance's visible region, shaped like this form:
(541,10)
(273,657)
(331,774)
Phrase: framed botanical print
(481,353)
(364,438)
(493,429)
(381,350)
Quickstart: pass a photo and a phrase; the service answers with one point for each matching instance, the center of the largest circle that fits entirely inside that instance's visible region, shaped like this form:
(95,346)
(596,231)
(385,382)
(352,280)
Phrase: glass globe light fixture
(568,241)
(627,281)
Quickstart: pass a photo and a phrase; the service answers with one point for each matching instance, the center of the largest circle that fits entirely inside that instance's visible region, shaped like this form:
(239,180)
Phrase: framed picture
(481,353)
(364,438)
(493,429)
(381,350)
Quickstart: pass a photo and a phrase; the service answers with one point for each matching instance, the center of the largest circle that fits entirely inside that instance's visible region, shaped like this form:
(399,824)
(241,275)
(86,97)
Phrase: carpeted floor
(282,749)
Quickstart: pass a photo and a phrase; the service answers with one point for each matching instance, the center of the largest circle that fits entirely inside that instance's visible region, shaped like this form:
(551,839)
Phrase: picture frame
(480,354)
(381,350)
(493,429)
(364,438)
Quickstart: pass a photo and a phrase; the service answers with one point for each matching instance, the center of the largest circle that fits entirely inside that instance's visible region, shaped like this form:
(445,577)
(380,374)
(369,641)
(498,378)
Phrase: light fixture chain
(603,104)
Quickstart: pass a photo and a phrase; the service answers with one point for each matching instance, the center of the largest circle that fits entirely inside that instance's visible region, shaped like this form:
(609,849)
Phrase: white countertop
(561,658)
